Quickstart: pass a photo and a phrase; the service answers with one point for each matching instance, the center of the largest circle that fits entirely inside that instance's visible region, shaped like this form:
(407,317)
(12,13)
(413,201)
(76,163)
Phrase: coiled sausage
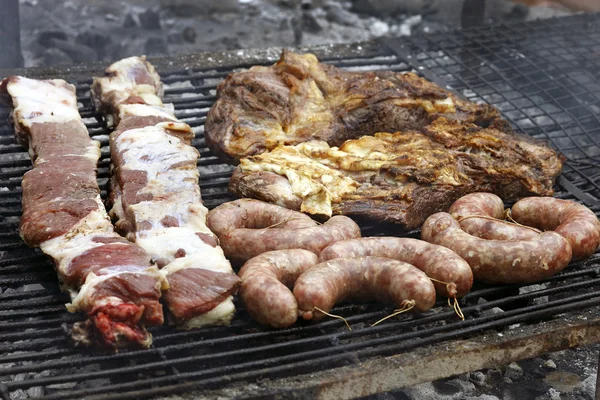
(500,261)
(363,279)
(254,214)
(247,228)
(243,244)
(577,223)
(487,205)
(437,262)
(266,280)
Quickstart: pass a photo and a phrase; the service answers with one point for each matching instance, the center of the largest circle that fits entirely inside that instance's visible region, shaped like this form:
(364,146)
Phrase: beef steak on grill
(299,99)
(400,177)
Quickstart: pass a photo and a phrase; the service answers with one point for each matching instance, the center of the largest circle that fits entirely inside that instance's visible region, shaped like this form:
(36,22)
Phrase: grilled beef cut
(155,196)
(300,99)
(109,279)
(400,177)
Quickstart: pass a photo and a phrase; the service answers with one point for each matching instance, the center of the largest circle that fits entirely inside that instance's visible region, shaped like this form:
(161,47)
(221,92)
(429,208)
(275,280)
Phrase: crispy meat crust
(402,177)
(300,99)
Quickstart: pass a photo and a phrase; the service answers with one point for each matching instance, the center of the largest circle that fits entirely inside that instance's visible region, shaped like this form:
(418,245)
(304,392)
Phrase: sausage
(242,244)
(489,206)
(500,261)
(254,214)
(362,279)
(577,223)
(247,228)
(266,280)
(435,261)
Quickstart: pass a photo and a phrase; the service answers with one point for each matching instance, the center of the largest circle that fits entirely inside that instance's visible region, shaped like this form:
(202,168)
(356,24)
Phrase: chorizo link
(500,261)
(363,279)
(254,214)
(487,205)
(248,228)
(577,223)
(437,262)
(266,283)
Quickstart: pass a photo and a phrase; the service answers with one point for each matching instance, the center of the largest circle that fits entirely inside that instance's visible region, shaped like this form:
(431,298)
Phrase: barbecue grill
(543,76)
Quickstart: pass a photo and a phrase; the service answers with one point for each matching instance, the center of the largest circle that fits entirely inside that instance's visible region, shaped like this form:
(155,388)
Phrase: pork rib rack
(109,279)
(155,196)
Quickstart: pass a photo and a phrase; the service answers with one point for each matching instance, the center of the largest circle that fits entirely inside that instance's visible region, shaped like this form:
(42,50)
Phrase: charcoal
(189,34)
(53,56)
(478,378)
(150,19)
(513,371)
(93,39)
(156,46)
(77,51)
(35,391)
(336,13)
(312,22)
(130,21)
(45,38)
(466,387)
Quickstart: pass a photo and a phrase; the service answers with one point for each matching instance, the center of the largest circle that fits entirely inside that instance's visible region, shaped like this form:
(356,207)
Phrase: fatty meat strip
(111,280)
(155,195)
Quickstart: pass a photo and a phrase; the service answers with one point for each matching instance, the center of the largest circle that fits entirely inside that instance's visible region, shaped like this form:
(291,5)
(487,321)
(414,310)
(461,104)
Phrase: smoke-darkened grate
(542,76)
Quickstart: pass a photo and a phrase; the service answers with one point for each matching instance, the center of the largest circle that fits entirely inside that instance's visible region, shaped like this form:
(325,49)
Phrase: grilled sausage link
(500,261)
(363,279)
(287,229)
(254,214)
(577,223)
(437,262)
(487,205)
(266,283)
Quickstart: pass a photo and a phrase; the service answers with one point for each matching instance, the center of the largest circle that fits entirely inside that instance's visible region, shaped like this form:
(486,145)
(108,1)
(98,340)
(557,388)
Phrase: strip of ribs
(109,279)
(299,99)
(155,195)
(400,177)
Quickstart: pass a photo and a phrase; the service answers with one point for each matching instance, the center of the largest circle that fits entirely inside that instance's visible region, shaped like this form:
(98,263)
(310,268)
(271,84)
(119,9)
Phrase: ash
(563,375)
(64,32)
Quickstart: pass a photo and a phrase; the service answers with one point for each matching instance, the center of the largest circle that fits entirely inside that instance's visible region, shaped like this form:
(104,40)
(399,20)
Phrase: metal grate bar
(293,365)
(483,68)
(308,341)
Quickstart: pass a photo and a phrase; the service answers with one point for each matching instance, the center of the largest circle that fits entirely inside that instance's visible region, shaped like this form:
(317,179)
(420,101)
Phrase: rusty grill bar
(543,76)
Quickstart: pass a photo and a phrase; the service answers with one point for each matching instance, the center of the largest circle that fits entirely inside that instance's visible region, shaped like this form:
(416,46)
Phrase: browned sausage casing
(243,244)
(363,279)
(247,228)
(266,280)
(487,205)
(437,262)
(254,214)
(500,261)
(577,223)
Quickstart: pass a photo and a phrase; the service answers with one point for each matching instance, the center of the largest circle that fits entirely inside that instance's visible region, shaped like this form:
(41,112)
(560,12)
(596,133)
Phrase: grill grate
(541,75)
